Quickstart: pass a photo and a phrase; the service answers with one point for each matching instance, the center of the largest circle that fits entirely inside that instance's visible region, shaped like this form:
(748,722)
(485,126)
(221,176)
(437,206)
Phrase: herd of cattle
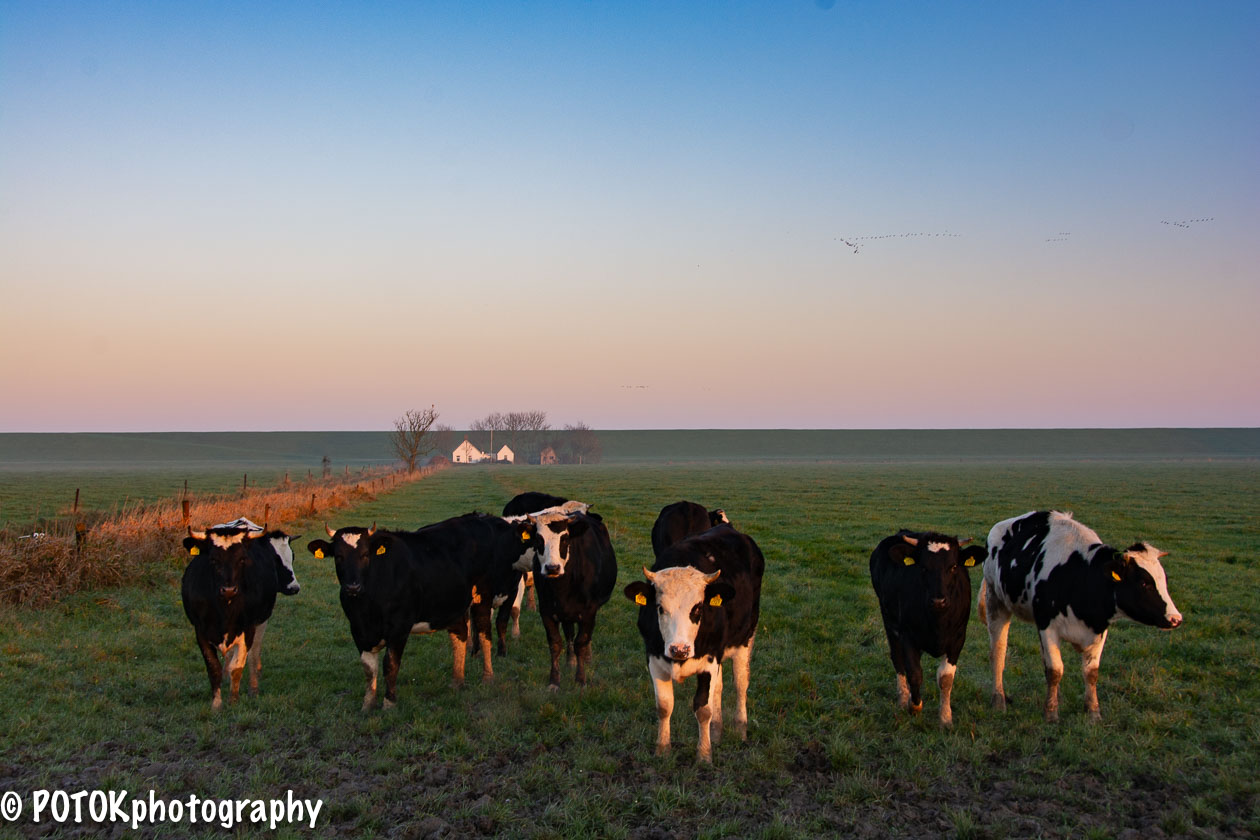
(699,604)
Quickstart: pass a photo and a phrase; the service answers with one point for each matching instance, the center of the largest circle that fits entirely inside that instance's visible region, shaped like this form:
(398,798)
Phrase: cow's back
(1023,550)
(676,522)
(531,502)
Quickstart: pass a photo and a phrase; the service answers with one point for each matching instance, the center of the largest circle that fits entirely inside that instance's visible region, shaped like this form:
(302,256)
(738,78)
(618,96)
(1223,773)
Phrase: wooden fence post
(186,505)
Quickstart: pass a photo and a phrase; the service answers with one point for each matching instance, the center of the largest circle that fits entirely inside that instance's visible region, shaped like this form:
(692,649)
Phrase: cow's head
(226,552)
(527,541)
(557,528)
(1141,585)
(681,596)
(353,550)
(286,578)
(938,560)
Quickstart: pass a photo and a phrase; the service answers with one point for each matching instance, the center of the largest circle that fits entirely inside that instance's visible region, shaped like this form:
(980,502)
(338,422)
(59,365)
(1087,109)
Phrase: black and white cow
(575,570)
(700,606)
(680,520)
(1049,569)
(924,593)
(229,591)
(521,504)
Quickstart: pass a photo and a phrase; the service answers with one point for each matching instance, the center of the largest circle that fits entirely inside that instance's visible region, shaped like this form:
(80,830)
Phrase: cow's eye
(660,609)
(695,614)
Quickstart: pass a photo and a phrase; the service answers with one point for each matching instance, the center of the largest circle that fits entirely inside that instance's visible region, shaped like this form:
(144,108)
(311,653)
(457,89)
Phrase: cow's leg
(945,682)
(459,651)
(582,649)
(214,670)
(741,664)
(530,603)
(234,661)
(570,628)
(393,659)
(481,622)
(1091,657)
(1053,661)
(998,621)
(371,667)
(516,608)
(253,657)
(896,653)
(914,676)
(501,620)
(556,645)
(715,705)
(700,705)
(664,688)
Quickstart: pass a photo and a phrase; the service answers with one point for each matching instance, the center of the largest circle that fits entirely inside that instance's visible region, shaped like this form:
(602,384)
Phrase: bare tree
(583,443)
(523,429)
(411,437)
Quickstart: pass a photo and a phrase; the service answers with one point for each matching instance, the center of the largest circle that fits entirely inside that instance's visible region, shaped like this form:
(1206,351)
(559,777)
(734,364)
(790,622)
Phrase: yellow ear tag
(524,536)
(715,601)
(194,551)
(319,554)
(909,561)
(970,561)
(1116,576)
(380,550)
(641,599)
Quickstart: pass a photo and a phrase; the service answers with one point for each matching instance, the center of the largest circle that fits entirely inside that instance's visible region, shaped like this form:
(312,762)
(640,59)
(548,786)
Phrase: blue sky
(632,214)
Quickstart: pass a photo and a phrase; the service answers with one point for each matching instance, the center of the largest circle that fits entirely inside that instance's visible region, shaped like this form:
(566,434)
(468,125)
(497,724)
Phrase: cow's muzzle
(679,653)
(228,592)
(1174,620)
(940,603)
(552,570)
(352,589)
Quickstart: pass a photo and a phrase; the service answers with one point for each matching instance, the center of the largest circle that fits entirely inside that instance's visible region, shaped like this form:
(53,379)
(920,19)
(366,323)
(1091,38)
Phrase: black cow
(1049,569)
(521,504)
(680,520)
(575,570)
(924,596)
(229,591)
(699,606)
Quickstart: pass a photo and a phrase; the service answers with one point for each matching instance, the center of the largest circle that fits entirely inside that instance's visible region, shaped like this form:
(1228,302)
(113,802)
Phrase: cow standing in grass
(521,505)
(924,596)
(680,520)
(698,607)
(229,591)
(1049,569)
(575,570)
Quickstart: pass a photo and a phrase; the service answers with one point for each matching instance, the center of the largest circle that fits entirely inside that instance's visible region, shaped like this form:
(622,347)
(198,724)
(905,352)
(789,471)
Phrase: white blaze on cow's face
(226,541)
(284,551)
(351,539)
(553,527)
(679,605)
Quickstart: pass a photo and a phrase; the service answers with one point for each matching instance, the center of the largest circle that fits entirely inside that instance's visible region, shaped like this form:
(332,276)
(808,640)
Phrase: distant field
(107,691)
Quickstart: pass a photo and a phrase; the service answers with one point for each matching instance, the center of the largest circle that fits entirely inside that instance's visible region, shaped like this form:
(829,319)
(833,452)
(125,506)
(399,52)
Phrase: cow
(521,504)
(924,593)
(680,520)
(1049,569)
(398,583)
(229,591)
(575,570)
(698,607)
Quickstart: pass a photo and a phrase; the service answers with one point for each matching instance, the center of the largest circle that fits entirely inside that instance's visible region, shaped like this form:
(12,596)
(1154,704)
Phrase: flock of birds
(856,242)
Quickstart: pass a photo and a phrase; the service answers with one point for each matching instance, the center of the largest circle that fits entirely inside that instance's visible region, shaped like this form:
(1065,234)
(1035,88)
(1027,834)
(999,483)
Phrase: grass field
(107,691)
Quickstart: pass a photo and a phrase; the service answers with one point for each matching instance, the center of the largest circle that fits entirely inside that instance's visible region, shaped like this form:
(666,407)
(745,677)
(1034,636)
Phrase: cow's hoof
(388,704)
(741,730)
(705,758)
(947,723)
(487,678)
(216,704)
(1052,715)
(662,749)
(915,708)
(999,702)
(554,688)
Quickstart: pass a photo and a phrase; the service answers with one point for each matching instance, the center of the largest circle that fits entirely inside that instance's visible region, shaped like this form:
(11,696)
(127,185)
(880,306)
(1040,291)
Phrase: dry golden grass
(39,570)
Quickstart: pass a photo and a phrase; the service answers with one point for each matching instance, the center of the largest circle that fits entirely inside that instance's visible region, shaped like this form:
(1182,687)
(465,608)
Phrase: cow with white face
(1049,569)
(575,570)
(699,606)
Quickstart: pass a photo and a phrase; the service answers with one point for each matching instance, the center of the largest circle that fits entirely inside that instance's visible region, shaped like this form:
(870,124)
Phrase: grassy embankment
(106,690)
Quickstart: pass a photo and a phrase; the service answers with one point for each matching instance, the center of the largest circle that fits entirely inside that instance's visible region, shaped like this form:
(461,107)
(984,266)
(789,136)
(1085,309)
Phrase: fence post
(186,506)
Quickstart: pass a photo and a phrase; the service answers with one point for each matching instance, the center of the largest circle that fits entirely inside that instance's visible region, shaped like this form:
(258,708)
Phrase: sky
(788,214)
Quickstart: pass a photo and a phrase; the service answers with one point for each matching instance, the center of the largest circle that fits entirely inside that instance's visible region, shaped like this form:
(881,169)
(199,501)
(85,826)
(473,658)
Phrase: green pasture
(107,690)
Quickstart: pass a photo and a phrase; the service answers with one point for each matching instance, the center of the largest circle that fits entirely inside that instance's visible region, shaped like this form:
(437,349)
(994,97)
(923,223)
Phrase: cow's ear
(971,555)
(320,548)
(378,545)
(717,592)
(1117,566)
(191,545)
(641,592)
(902,553)
(578,527)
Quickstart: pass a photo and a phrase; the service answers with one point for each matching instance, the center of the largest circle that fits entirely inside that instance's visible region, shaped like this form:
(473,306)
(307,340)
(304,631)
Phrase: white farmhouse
(466,453)
(506,454)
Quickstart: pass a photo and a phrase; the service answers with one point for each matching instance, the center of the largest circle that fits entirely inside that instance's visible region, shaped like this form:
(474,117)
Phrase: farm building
(506,454)
(466,453)
(548,456)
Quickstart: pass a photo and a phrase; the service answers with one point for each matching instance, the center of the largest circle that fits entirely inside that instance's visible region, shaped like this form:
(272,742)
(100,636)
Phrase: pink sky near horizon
(218,224)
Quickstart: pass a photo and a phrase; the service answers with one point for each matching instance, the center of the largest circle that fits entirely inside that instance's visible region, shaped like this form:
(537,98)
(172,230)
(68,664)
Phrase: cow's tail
(980,606)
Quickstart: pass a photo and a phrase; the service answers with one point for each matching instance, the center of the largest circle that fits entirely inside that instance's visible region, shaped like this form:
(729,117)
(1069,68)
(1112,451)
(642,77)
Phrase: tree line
(417,435)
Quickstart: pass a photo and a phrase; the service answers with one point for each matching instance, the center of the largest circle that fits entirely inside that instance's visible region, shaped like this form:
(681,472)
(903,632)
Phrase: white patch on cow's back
(223,541)
(241,522)
(285,552)
(938,546)
(351,540)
